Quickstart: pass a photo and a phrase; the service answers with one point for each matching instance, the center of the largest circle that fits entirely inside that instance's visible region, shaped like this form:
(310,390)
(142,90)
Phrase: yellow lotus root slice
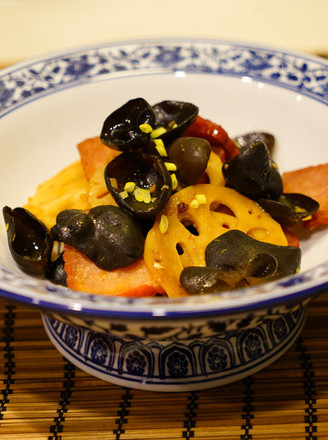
(65,190)
(97,193)
(191,226)
(214,170)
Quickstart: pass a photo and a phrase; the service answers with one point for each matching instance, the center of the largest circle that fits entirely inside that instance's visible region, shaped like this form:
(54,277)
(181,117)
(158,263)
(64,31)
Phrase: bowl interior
(38,139)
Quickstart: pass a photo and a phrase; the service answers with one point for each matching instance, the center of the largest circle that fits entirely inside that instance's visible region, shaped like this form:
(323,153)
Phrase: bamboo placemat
(44,396)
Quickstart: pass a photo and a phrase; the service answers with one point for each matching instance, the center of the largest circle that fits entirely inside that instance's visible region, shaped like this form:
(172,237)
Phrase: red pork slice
(311,181)
(94,154)
(83,275)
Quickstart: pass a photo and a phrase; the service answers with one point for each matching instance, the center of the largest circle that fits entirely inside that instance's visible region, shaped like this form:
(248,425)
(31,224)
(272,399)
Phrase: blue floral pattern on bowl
(297,72)
(37,78)
(177,365)
(182,343)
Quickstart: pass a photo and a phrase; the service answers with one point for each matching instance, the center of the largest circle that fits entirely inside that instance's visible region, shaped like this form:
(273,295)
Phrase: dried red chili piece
(215,135)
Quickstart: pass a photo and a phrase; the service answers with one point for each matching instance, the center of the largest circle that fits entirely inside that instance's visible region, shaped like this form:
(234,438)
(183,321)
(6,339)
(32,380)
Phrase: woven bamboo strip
(282,396)
(278,405)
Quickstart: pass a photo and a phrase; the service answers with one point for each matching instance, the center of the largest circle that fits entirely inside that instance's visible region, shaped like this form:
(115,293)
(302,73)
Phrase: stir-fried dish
(165,202)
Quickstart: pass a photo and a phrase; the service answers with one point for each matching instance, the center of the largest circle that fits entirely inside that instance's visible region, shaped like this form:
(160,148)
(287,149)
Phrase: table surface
(34,27)
(44,396)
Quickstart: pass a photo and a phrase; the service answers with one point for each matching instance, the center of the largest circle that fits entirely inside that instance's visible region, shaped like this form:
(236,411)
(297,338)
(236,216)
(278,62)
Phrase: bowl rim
(32,292)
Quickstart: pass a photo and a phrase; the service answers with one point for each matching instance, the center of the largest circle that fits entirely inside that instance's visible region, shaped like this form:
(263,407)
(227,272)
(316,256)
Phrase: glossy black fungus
(255,260)
(248,139)
(145,171)
(56,272)
(29,241)
(175,117)
(190,155)
(290,208)
(234,260)
(121,129)
(253,173)
(107,235)
(201,280)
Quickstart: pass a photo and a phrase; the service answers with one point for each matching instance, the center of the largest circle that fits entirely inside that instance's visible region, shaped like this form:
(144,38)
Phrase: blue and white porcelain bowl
(49,104)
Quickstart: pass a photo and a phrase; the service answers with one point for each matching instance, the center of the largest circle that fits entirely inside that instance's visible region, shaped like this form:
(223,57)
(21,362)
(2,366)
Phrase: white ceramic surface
(48,105)
(174,366)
